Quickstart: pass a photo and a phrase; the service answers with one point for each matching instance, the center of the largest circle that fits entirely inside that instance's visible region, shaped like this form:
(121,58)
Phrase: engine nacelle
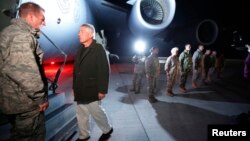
(149,17)
(207,32)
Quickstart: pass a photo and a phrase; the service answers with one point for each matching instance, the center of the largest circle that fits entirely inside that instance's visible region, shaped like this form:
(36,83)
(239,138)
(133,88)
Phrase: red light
(52,63)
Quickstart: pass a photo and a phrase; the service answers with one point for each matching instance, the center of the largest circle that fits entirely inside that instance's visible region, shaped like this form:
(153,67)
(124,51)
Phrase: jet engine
(206,32)
(149,17)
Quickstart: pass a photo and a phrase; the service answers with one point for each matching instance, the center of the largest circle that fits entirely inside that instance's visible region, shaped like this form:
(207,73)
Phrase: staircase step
(58,119)
(67,133)
(55,102)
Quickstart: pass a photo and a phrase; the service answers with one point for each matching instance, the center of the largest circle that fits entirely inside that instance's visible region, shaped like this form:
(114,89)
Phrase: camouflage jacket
(185,60)
(139,61)
(22,79)
(172,65)
(152,66)
(213,61)
(197,59)
(206,61)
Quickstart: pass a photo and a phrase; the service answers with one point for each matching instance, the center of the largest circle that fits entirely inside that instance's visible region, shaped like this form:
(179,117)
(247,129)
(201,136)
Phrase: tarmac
(183,117)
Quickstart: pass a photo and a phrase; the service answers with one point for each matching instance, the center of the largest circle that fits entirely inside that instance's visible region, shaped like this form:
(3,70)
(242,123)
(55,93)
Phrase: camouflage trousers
(152,86)
(196,75)
(29,126)
(171,81)
(183,79)
(137,81)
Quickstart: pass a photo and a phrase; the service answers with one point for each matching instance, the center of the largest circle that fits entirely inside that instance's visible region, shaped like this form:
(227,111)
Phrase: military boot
(194,85)
(152,99)
(183,89)
(132,90)
(170,93)
(137,90)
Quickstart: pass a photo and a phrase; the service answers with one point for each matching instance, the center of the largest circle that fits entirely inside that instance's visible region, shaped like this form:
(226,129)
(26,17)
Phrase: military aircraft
(119,23)
(221,26)
(162,22)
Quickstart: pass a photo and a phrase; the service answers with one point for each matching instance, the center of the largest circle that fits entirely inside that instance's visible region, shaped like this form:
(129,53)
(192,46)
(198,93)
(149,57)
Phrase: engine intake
(149,17)
(206,32)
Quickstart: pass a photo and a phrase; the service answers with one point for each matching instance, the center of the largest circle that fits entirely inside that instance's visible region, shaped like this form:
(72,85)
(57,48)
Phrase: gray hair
(175,49)
(91,28)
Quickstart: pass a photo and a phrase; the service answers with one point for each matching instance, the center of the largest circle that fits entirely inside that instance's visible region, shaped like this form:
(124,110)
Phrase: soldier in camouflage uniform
(213,63)
(197,65)
(23,88)
(185,60)
(206,62)
(139,72)
(172,68)
(152,68)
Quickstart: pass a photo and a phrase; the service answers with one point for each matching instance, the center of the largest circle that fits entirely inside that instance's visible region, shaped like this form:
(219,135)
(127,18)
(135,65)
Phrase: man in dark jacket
(23,93)
(90,83)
